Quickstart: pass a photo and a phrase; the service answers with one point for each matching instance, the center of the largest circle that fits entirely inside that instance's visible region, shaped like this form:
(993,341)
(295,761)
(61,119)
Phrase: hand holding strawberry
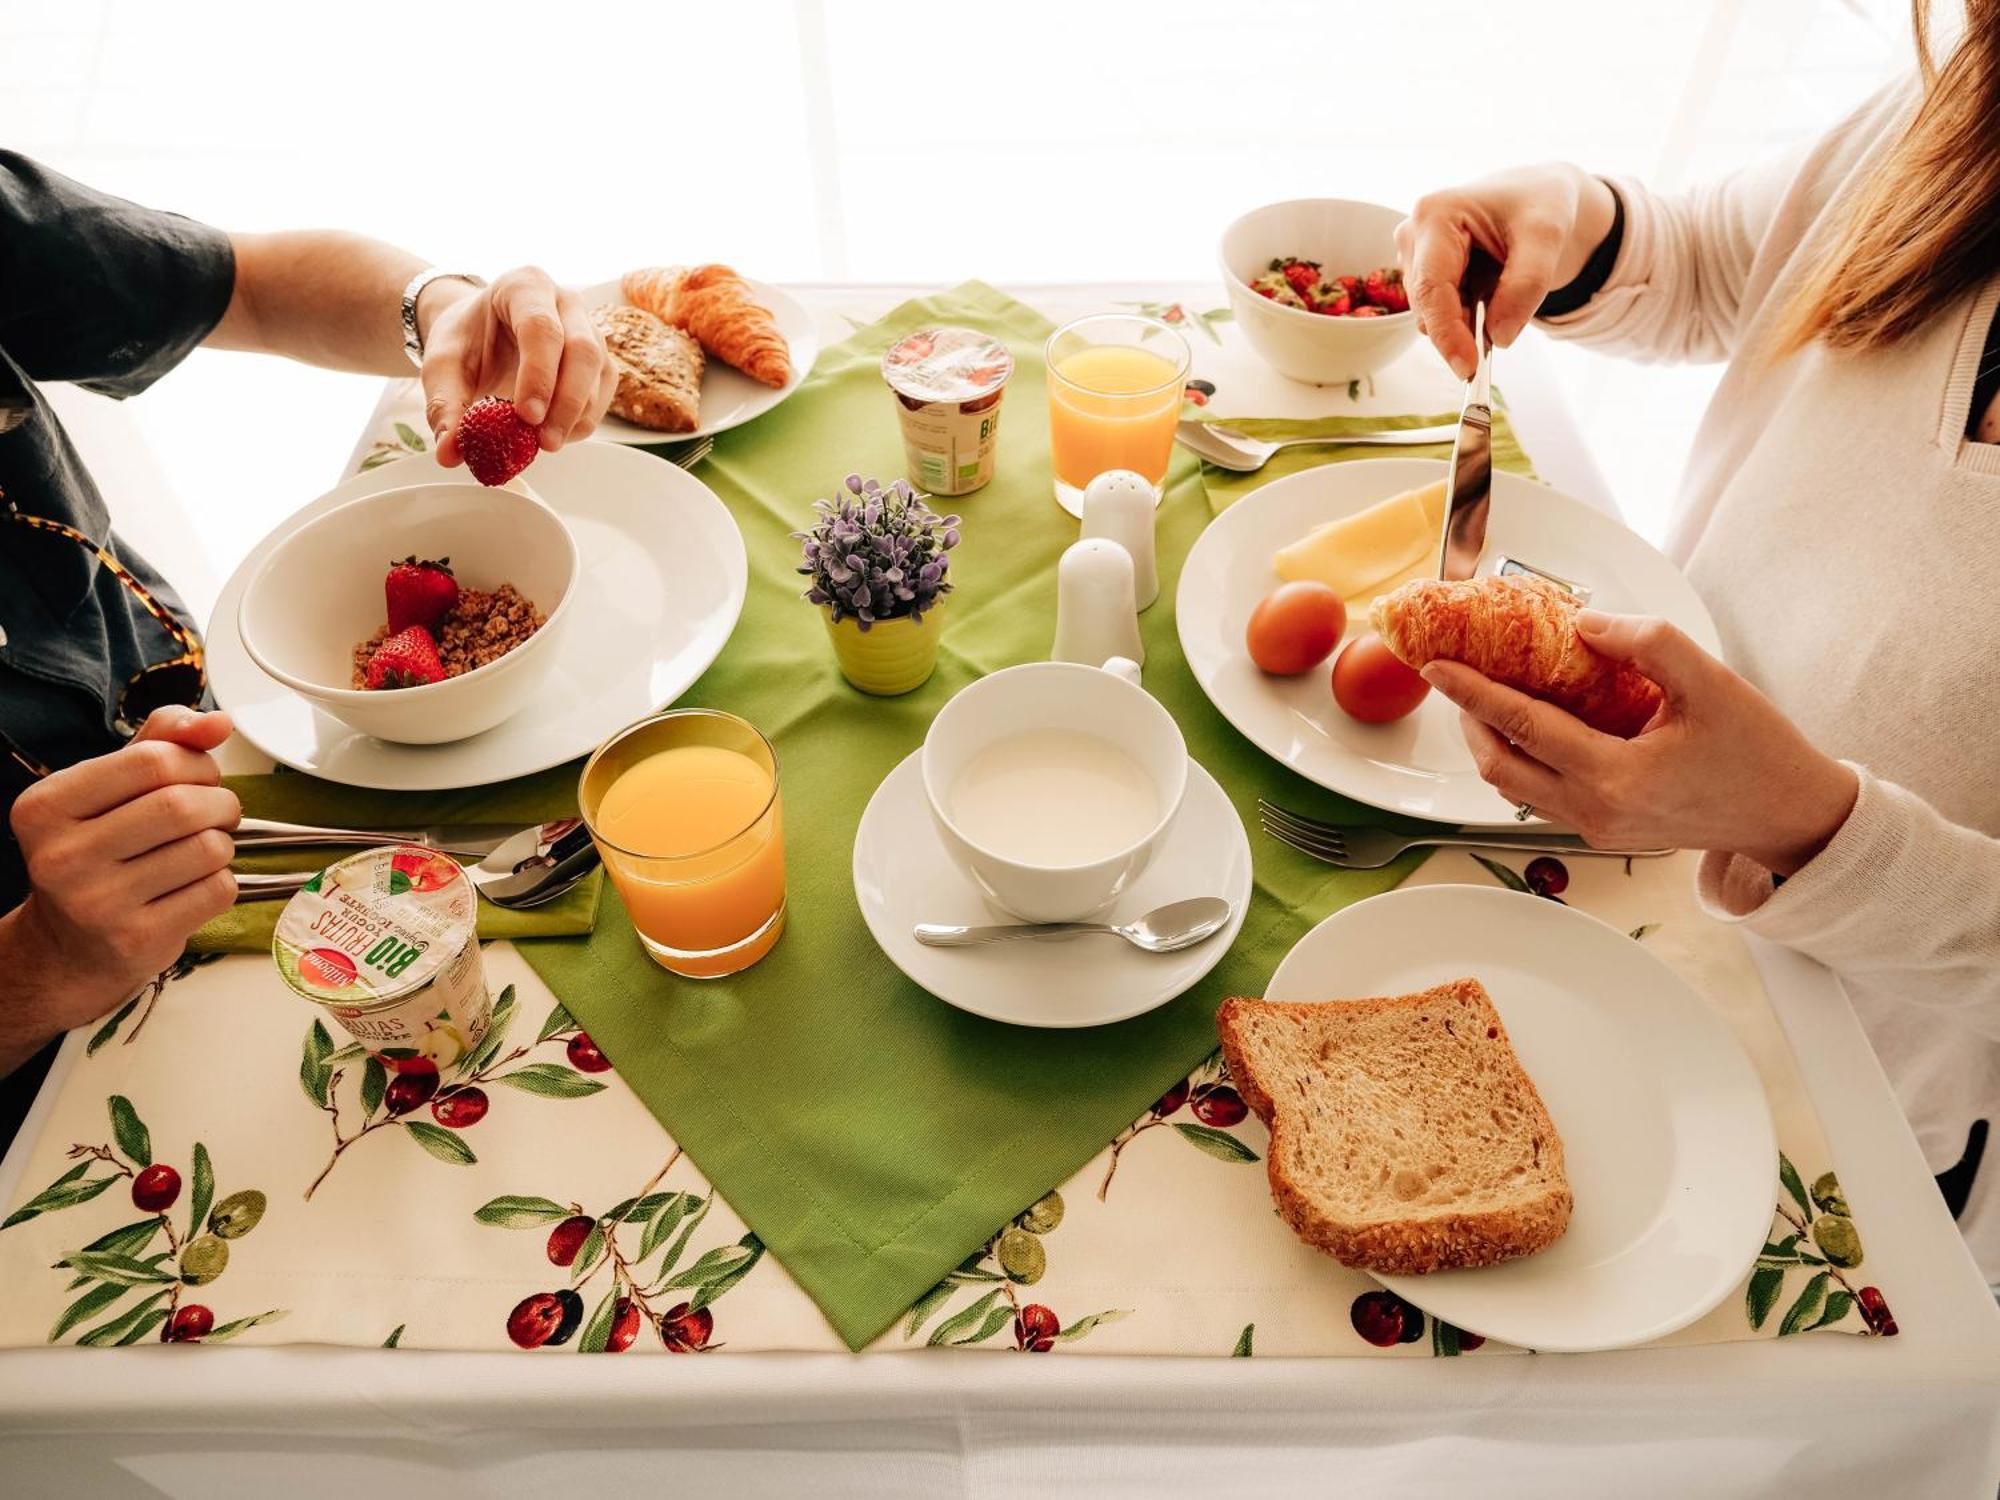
(495,443)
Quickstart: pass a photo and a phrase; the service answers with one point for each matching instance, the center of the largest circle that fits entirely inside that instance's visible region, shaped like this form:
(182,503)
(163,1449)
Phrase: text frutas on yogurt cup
(386,942)
(948,383)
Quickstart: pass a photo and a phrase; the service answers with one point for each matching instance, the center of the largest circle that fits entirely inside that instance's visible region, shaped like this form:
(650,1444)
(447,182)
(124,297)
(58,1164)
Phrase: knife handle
(268,833)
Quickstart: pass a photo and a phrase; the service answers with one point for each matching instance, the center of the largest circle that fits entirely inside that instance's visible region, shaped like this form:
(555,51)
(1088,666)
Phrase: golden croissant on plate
(1519,630)
(714,304)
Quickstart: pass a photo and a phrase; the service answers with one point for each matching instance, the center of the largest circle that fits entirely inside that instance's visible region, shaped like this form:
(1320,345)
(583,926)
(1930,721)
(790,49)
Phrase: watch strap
(413,342)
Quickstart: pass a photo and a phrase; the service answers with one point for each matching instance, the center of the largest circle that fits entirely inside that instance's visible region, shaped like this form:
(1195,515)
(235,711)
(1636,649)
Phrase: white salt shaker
(1096,615)
(1119,506)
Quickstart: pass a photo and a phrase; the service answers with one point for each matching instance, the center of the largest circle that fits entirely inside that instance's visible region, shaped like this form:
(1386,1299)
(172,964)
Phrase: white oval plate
(729,398)
(663,572)
(1418,766)
(1666,1134)
(903,876)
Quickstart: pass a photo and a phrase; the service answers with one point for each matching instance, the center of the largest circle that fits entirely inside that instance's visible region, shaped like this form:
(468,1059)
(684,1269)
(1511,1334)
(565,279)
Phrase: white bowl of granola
(315,610)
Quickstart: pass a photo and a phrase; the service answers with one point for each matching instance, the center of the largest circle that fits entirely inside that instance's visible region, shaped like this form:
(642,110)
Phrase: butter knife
(1471,479)
(466,840)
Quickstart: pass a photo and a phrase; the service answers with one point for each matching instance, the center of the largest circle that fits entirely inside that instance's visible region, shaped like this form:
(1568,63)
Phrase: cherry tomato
(1372,685)
(1295,627)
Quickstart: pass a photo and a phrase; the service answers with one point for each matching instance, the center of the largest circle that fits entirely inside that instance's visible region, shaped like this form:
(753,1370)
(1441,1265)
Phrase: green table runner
(871,1135)
(294,798)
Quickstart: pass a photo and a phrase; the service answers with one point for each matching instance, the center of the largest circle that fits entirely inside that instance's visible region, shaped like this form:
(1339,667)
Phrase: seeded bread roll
(659,369)
(1405,1136)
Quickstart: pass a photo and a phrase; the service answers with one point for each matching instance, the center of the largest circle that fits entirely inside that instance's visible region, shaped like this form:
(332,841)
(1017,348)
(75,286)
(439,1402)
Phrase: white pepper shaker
(1119,506)
(1096,616)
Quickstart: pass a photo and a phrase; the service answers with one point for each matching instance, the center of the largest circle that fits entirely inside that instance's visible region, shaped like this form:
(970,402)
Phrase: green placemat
(294,798)
(1226,488)
(871,1135)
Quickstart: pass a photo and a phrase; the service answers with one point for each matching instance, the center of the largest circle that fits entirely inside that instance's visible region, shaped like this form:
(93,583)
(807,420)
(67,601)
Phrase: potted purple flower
(877,563)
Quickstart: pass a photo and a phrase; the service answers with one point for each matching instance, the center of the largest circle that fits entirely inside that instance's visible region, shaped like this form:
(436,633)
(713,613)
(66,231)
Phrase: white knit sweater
(1846,537)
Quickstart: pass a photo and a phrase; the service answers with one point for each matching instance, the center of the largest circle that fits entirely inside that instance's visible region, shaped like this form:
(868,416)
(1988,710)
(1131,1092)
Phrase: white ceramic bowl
(319,593)
(1053,695)
(1347,238)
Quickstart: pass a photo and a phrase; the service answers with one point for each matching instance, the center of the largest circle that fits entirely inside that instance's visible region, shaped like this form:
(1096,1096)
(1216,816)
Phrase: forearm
(326,297)
(28,980)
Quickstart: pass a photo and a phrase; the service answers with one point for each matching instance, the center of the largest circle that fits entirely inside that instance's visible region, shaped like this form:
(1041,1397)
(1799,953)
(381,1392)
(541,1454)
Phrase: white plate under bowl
(1418,766)
(729,398)
(903,876)
(1666,1134)
(661,582)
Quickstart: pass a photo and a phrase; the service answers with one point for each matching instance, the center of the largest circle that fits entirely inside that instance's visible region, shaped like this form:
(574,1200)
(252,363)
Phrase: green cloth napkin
(1225,488)
(294,798)
(871,1135)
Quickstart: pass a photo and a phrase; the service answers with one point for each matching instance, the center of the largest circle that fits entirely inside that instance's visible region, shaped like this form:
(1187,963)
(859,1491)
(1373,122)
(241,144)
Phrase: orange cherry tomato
(1295,627)
(1372,685)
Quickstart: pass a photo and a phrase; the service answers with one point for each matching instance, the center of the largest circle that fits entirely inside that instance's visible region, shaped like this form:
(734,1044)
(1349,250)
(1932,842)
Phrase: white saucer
(1666,1134)
(903,876)
(729,398)
(663,572)
(1418,766)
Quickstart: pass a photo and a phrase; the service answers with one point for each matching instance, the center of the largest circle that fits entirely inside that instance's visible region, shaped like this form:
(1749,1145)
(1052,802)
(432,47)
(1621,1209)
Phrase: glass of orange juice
(684,807)
(1115,387)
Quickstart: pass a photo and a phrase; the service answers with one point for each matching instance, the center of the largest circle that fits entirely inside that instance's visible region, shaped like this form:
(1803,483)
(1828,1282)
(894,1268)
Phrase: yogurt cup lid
(374,925)
(947,364)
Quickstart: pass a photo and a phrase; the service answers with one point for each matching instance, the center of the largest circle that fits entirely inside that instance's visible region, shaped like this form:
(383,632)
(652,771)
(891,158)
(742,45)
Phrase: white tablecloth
(1918,1415)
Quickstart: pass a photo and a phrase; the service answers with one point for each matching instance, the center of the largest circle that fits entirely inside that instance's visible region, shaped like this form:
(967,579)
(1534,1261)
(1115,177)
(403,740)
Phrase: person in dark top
(118,828)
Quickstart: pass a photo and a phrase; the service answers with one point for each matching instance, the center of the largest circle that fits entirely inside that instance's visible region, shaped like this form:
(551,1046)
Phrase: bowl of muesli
(416,615)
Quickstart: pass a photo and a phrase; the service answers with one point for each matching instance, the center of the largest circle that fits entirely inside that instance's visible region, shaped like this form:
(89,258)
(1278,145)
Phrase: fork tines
(1308,835)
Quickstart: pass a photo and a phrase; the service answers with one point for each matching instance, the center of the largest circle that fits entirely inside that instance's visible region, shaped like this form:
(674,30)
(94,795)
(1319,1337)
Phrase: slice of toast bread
(1405,1135)
(659,369)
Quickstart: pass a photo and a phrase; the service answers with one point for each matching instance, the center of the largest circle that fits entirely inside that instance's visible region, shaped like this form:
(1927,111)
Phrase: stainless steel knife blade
(1471,478)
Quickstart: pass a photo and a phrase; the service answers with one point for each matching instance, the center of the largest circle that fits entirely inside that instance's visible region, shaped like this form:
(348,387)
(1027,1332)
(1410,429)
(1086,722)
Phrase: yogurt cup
(948,383)
(386,942)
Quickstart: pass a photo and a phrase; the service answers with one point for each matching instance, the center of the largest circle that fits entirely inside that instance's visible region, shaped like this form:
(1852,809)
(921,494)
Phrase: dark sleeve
(100,291)
(1596,271)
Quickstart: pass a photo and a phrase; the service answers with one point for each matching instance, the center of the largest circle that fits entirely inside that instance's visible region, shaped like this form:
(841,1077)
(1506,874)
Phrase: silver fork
(693,453)
(1371,848)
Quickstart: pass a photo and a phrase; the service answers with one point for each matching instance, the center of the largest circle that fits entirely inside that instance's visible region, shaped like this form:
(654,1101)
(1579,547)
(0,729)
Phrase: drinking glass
(1115,388)
(685,809)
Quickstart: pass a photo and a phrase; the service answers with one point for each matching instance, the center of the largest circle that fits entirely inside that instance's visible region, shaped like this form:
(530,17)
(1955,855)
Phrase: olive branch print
(144,1002)
(121,1261)
(387,450)
(1816,1232)
(641,1277)
(1216,1107)
(394,1083)
(1015,1256)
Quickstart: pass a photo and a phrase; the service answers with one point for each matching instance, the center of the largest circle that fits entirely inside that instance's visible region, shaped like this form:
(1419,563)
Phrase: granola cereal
(483,626)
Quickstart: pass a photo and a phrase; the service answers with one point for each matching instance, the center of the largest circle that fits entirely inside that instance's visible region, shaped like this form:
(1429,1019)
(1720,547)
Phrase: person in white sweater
(1841,520)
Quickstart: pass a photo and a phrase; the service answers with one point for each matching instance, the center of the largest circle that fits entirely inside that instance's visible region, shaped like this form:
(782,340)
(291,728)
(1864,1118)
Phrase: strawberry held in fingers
(407,659)
(419,593)
(495,442)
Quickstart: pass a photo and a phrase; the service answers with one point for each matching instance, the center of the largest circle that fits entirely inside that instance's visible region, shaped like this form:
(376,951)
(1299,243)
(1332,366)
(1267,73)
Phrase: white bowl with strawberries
(418,615)
(1315,289)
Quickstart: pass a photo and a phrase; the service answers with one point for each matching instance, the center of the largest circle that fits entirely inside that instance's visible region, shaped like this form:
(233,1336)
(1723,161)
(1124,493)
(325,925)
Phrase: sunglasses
(179,680)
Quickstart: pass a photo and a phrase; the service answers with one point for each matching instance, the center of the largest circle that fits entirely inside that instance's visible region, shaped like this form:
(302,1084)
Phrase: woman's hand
(1540,223)
(1718,767)
(127,854)
(524,338)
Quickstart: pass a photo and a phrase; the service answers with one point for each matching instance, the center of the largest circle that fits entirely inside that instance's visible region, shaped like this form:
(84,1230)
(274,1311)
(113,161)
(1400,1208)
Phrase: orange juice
(1115,389)
(692,835)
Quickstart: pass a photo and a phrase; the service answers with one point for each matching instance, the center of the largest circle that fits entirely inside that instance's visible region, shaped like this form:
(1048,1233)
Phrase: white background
(1018,141)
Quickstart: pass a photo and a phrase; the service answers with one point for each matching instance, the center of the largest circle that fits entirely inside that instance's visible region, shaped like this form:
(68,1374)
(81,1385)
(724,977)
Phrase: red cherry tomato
(1372,685)
(1295,627)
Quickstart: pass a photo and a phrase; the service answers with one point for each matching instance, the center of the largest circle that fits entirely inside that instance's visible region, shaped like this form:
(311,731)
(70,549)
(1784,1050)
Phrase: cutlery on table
(466,840)
(1229,449)
(689,454)
(1165,929)
(528,867)
(1371,848)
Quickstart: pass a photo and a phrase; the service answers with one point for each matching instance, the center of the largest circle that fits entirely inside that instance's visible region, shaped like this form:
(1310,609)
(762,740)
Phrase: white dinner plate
(729,398)
(1666,1135)
(662,576)
(903,876)
(1418,766)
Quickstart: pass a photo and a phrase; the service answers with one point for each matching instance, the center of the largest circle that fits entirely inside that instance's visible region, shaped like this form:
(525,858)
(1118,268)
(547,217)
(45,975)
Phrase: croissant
(714,304)
(1521,631)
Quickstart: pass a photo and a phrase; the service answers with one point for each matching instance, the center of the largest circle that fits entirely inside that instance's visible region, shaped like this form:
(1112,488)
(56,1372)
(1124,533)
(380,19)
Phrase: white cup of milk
(1052,784)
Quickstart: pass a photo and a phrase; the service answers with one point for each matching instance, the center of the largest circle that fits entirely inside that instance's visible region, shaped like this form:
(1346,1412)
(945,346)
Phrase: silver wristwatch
(413,342)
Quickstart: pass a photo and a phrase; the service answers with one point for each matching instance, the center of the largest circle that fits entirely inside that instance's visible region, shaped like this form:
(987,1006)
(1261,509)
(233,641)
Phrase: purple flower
(876,554)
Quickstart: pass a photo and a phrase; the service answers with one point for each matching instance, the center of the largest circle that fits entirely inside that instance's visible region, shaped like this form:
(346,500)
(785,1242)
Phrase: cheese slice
(1359,605)
(1356,553)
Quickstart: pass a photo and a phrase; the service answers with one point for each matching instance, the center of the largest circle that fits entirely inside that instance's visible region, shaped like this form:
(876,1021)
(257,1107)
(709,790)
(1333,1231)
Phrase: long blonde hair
(1925,229)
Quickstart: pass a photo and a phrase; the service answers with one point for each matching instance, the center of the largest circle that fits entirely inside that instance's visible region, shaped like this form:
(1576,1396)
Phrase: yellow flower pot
(891,656)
